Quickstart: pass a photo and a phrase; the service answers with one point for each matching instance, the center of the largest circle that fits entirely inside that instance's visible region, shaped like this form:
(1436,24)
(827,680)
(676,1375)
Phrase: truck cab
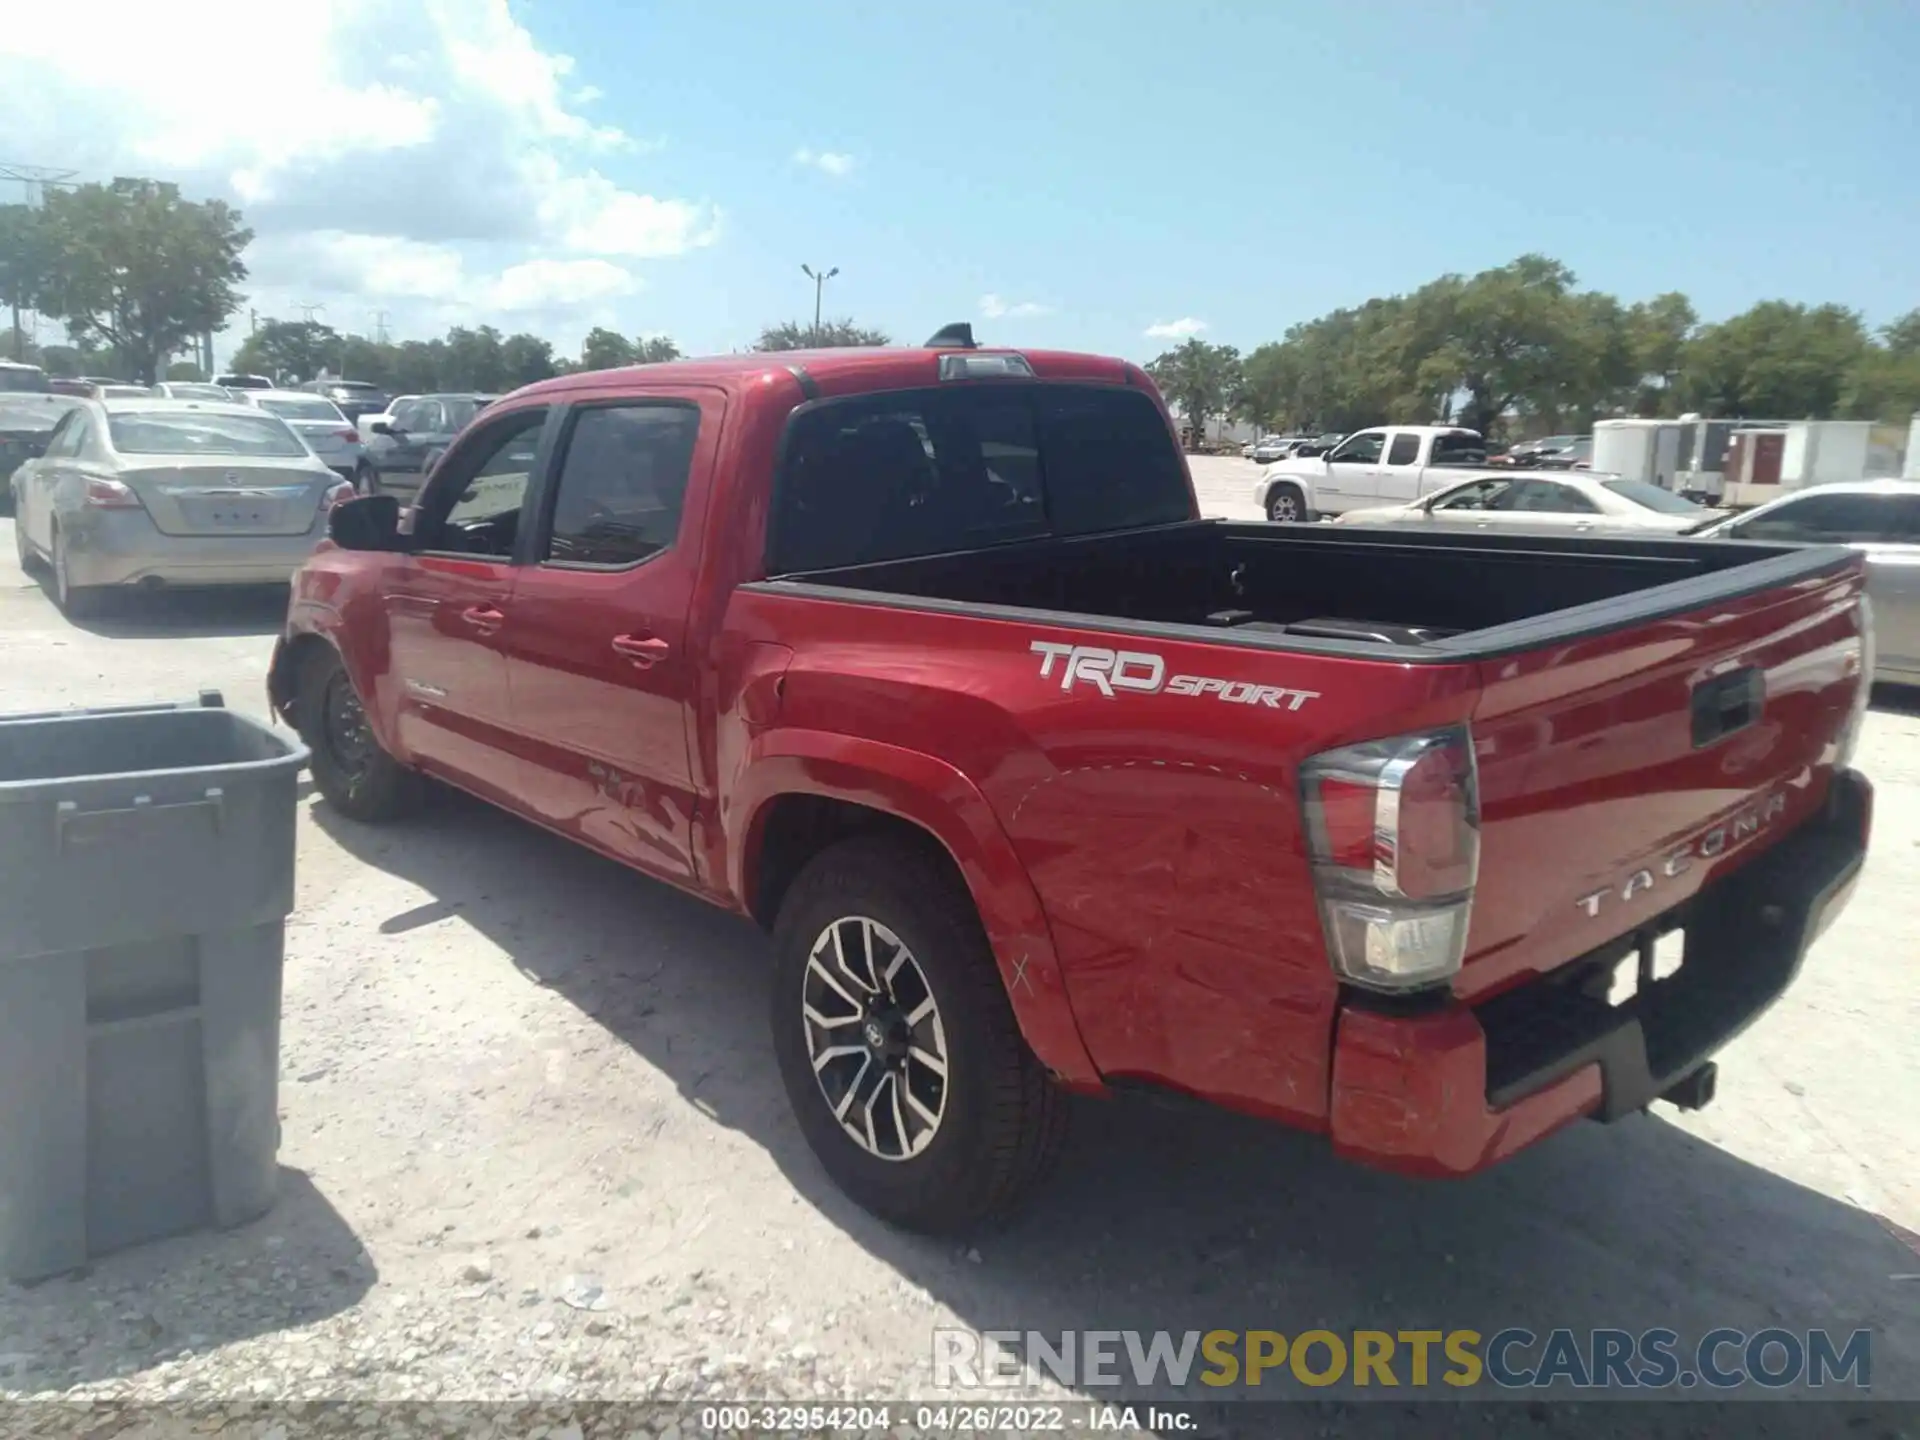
(1385,465)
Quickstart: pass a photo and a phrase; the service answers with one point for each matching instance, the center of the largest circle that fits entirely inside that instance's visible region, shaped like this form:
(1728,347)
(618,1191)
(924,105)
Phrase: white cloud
(1184,328)
(995,307)
(836,163)
(425,157)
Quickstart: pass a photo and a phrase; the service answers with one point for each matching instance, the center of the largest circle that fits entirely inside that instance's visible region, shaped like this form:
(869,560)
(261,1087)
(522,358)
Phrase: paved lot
(517,1078)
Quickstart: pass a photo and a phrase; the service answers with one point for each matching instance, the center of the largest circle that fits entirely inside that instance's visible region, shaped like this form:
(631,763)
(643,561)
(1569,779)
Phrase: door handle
(642,650)
(483,618)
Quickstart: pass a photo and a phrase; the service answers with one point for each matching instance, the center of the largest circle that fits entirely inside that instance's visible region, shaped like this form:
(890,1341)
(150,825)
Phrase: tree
(1902,337)
(22,266)
(289,351)
(833,334)
(184,370)
(525,359)
(133,265)
(1199,380)
(1776,361)
(1659,329)
(605,349)
(474,360)
(655,350)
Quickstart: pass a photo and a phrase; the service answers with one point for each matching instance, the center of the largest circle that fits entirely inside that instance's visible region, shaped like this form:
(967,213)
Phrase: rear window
(1460,449)
(23,379)
(29,413)
(924,472)
(1652,496)
(200,432)
(288,409)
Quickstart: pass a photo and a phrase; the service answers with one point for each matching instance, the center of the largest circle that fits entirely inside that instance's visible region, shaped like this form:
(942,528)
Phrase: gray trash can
(146,873)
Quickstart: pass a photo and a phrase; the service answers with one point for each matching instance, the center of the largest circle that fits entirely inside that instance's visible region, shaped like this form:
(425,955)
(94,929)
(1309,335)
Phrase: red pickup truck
(924,659)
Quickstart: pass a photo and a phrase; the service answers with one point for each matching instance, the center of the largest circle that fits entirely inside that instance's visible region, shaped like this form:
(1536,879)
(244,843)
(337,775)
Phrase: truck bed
(1338,591)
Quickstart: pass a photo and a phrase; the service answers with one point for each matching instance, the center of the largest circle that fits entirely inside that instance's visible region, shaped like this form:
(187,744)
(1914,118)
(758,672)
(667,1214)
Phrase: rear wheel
(366,480)
(76,602)
(1287,503)
(350,770)
(897,1044)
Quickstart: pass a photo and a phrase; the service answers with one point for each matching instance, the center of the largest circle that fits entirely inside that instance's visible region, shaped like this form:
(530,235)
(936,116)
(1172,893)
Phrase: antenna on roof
(957,336)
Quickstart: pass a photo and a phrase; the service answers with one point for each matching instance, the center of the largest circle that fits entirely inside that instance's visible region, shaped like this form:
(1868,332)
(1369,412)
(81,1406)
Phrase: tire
(1001,1121)
(1287,503)
(357,778)
(76,602)
(366,480)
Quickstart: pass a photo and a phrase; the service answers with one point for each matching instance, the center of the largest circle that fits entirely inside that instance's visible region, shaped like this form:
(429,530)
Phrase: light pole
(819,278)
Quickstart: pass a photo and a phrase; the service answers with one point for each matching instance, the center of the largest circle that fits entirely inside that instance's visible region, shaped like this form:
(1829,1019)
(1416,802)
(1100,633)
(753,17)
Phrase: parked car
(26,424)
(193,390)
(1527,454)
(1311,825)
(404,447)
(68,385)
(354,397)
(244,382)
(17,378)
(1878,518)
(158,492)
(318,421)
(1388,465)
(1553,499)
(1275,447)
(1577,456)
(121,391)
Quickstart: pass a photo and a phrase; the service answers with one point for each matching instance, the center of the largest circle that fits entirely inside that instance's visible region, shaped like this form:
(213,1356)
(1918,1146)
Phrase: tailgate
(1619,774)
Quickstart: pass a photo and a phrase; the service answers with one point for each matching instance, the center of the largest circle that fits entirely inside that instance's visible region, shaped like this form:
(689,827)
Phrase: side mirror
(386,428)
(368,522)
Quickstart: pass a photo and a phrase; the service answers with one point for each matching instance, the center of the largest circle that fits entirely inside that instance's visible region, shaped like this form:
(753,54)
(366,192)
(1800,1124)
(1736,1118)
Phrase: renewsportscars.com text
(1513,1358)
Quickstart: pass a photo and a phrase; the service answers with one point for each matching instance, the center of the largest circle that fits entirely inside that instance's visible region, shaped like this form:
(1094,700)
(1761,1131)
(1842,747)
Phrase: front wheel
(352,772)
(366,480)
(898,1047)
(23,547)
(1287,503)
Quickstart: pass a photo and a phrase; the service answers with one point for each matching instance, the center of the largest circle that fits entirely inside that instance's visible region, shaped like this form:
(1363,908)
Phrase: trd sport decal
(1144,673)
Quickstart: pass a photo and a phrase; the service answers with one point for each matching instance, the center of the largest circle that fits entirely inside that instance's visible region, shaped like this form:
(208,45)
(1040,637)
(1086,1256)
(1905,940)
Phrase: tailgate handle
(1727,703)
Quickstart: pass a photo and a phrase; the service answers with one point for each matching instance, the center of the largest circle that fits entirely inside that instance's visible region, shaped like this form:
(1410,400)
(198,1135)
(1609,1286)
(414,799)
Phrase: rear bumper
(1452,1091)
(125,548)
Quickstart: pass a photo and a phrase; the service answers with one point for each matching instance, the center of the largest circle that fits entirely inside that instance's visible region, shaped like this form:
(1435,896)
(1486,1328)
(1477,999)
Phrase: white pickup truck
(1387,465)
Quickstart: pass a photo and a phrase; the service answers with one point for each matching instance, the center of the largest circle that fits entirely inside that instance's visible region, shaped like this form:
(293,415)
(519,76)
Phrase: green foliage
(184,370)
(22,266)
(1199,380)
(607,349)
(832,334)
(290,351)
(1778,360)
(132,265)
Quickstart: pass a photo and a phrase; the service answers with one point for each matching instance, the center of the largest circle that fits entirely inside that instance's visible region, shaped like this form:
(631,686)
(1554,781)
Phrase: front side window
(1545,497)
(289,408)
(472,503)
(1475,495)
(1360,450)
(202,432)
(622,483)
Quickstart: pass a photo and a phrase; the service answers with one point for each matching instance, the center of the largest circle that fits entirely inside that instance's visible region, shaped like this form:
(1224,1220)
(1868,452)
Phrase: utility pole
(819,278)
(33,181)
(380,318)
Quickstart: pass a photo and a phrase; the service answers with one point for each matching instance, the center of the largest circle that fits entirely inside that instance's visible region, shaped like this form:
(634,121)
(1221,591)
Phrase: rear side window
(1405,450)
(622,483)
(924,472)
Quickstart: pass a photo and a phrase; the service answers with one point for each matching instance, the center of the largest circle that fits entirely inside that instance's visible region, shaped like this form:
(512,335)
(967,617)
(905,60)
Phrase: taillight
(102,494)
(353,435)
(1849,739)
(1393,830)
(338,495)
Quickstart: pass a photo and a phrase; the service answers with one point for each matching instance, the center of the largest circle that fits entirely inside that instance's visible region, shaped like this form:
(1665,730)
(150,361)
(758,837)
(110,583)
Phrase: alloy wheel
(875,1037)
(1284,505)
(344,728)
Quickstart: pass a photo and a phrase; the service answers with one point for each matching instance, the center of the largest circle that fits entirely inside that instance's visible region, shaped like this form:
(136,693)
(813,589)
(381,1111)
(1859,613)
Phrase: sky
(1063,173)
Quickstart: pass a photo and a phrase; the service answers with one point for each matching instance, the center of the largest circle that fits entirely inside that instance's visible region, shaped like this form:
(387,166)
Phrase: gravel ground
(536,1148)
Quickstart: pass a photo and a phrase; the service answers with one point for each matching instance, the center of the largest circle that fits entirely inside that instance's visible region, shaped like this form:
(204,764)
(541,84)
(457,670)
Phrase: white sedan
(1553,499)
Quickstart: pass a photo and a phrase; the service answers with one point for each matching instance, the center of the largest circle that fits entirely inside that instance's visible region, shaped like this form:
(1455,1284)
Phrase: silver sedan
(323,425)
(157,492)
(1879,518)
